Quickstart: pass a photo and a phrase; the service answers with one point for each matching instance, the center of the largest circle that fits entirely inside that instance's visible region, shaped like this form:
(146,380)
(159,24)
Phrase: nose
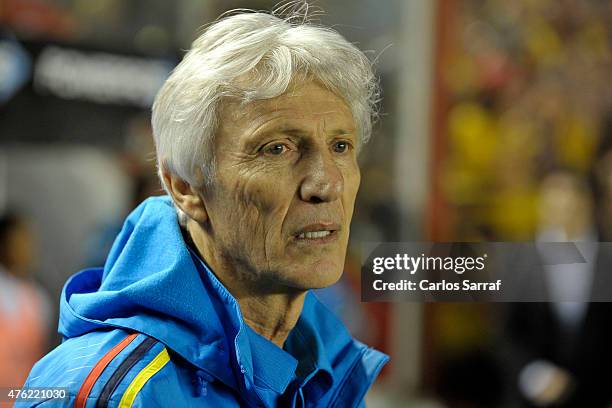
(323,181)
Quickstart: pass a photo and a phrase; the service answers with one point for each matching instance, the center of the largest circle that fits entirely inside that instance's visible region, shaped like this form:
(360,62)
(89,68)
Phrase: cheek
(255,194)
(258,204)
(352,180)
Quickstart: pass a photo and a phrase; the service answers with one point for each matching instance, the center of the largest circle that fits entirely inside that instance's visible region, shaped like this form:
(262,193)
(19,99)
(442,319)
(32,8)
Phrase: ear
(186,197)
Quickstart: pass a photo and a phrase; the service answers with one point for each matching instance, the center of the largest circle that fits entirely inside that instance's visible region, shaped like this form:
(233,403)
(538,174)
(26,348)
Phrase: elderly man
(257,132)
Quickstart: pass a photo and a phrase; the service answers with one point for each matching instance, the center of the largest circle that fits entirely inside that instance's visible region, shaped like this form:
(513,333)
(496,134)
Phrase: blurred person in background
(24,308)
(560,350)
(602,181)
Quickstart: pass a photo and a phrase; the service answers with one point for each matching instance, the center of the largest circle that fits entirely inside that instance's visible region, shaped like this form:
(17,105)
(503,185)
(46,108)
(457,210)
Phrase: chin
(318,275)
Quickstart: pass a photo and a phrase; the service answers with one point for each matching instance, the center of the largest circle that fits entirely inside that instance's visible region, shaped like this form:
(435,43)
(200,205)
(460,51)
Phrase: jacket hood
(154,284)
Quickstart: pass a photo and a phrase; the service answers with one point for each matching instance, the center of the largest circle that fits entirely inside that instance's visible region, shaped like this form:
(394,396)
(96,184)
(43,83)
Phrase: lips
(314,234)
(319,231)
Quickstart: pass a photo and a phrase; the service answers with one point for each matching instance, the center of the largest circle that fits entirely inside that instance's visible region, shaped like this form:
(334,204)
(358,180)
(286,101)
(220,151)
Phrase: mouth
(318,233)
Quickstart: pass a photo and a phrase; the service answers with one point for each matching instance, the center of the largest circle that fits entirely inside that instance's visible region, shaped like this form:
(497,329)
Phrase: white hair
(252,55)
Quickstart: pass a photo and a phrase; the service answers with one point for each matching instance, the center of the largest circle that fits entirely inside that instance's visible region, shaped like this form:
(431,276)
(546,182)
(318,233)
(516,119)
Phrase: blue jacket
(156,328)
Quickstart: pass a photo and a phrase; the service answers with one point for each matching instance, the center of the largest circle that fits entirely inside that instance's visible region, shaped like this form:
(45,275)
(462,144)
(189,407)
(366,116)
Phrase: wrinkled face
(285,185)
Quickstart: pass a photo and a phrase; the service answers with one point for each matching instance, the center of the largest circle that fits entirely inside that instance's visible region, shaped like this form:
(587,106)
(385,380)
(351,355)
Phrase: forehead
(306,103)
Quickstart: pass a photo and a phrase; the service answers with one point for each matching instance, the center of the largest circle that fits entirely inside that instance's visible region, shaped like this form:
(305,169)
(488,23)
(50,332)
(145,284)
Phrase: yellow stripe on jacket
(143,376)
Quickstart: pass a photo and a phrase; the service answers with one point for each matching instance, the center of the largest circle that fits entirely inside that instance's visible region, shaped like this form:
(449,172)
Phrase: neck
(272,316)
(270,309)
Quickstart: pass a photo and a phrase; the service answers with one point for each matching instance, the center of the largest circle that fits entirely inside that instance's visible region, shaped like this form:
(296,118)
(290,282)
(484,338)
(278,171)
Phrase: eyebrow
(299,132)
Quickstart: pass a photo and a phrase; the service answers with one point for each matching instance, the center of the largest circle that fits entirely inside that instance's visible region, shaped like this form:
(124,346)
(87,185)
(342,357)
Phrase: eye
(341,146)
(275,149)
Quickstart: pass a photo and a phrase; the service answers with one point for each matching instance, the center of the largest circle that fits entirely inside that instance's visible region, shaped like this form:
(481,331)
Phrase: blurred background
(496,126)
